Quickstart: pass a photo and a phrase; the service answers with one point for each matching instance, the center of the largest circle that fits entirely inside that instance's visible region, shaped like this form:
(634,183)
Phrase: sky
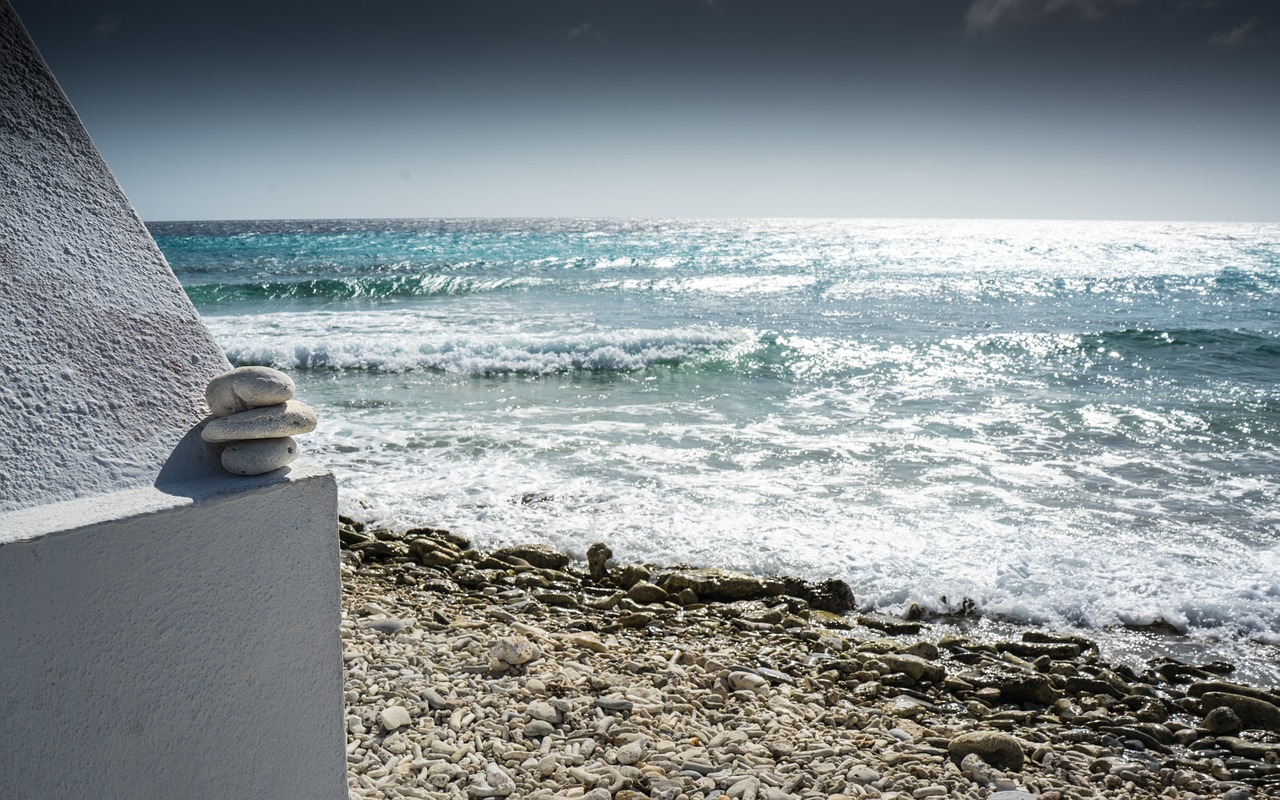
(1058,109)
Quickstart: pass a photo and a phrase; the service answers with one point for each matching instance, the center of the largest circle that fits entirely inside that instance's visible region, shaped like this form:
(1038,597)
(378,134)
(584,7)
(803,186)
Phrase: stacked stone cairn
(255,419)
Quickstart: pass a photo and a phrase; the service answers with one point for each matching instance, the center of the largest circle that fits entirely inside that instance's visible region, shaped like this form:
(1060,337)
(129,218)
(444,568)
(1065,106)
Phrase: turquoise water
(1069,423)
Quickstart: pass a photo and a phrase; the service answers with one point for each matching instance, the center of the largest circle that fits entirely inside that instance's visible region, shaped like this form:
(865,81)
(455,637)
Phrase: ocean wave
(483,354)
(365,287)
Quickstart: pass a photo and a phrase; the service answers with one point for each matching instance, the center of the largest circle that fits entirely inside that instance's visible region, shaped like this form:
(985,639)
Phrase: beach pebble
(749,681)
(999,749)
(536,729)
(245,388)
(258,456)
(631,752)
(514,651)
(645,592)
(268,422)
(387,626)
(543,710)
(394,717)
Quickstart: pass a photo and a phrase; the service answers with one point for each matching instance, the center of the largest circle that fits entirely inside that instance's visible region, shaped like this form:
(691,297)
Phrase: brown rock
(997,749)
(538,555)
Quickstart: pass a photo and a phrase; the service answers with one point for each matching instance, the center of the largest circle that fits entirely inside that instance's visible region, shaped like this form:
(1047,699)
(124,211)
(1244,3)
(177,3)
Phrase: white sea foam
(397,342)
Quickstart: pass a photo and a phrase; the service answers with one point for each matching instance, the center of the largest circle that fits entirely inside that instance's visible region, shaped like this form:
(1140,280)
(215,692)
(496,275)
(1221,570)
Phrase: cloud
(1238,36)
(987,14)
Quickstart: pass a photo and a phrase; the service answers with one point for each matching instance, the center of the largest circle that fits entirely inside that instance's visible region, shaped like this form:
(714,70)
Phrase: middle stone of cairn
(255,419)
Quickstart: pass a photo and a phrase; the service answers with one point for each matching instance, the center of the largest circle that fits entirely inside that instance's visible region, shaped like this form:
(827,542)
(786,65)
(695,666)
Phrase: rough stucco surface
(149,658)
(103,360)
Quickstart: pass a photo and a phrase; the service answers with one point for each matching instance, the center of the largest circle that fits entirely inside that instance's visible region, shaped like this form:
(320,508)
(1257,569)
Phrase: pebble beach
(523,673)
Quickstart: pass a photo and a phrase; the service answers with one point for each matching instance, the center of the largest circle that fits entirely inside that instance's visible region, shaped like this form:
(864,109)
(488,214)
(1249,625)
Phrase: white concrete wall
(103,360)
(160,646)
(166,630)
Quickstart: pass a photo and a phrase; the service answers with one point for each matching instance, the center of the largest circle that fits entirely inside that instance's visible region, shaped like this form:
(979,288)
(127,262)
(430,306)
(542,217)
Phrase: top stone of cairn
(245,388)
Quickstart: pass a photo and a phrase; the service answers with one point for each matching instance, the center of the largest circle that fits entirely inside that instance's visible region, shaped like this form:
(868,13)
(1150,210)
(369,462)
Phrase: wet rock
(1222,720)
(833,596)
(721,585)
(998,749)
(442,536)
(1253,713)
(598,556)
(1026,689)
(1204,687)
(914,666)
(892,625)
(632,574)
(538,555)
(1054,650)
(429,553)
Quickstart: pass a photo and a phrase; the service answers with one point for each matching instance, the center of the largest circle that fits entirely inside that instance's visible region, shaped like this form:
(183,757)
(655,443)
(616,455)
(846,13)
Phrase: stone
(588,641)
(267,422)
(258,456)
(536,729)
(541,709)
(645,592)
(514,651)
(387,626)
(1019,688)
(245,388)
(833,596)
(1222,720)
(631,752)
(998,749)
(748,681)
(914,666)
(631,574)
(894,626)
(862,775)
(598,556)
(721,585)
(636,619)
(1253,713)
(394,718)
(537,555)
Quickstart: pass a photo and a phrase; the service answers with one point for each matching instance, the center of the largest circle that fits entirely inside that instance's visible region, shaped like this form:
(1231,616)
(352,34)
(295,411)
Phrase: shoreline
(522,673)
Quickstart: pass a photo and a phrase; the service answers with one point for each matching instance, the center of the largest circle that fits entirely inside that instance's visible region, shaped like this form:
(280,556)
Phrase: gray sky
(1131,109)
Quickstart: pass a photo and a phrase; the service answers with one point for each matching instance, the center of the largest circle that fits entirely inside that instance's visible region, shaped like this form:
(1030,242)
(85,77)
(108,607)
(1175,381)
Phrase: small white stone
(748,680)
(258,456)
(245,388)
(394,717)
(514,650)
(631,752)
(268,422)
(543,710)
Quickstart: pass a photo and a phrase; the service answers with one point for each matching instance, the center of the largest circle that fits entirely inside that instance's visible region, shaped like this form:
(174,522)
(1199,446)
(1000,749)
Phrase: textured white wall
(166,629)
(103,360)
(174,647)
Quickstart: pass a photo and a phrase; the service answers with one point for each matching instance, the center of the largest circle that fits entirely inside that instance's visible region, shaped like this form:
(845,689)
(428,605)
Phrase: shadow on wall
(194,464)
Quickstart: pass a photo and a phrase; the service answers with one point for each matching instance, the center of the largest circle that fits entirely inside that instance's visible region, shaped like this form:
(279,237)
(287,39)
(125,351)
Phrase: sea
(1072,425)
